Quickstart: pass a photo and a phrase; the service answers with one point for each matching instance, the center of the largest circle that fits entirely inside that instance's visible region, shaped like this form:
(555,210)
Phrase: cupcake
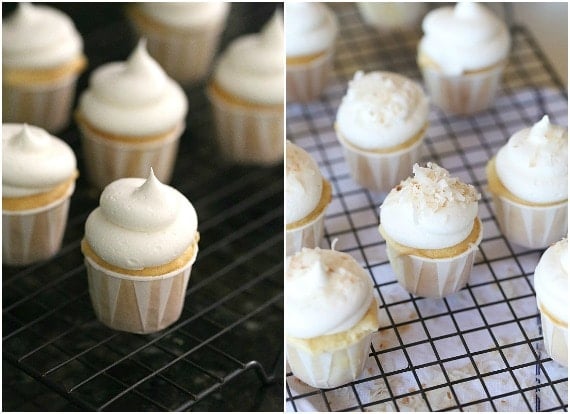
(182,37)
(462,56)
(528,180)
(381,123)
(42,57)
(331,315)
(38,179)
(131,117)
(432,231)
(139,247)
(551,286)
(246,92)
(386,17)
(307,196)
(310,35)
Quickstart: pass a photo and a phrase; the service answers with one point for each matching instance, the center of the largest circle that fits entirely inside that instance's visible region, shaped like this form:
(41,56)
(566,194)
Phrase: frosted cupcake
(528,180)
(381,123)
(432,231)
(551,285)
(247,96)
(182,37)
(42,57)
(387,16)
(308,194)
(462,56)
(131,118)
(310,35)
(38,179)
(331,315)
(139,247)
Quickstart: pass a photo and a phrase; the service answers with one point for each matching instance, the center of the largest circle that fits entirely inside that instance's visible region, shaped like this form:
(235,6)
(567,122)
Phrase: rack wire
(225,353)
(480,349)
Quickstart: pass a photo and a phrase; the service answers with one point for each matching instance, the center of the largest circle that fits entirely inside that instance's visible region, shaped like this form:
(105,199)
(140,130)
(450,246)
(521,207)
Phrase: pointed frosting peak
(318,272)
(152,189)
(30,140)
(272,32)
(539,130)
(140,62)
(466,9)
(140,204)
(25,10)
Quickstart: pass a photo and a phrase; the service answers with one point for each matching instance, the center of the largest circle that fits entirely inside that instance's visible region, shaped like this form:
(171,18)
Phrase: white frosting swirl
(186,14)
(252,66)
(39,37)
(304,184)
(551,280)
(33,161)
(463,38)
(533,165)
(381,110)
(311,28)
(430,210)
(141,223)
(327,292)
(133,98)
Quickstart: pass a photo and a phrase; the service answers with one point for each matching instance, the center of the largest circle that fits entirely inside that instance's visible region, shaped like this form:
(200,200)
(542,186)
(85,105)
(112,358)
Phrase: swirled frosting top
(133,98)
(37,36)
(430,210)
(304,183)
(551,280)
(465,37)
(327,292)
(252,66)
(381,110)
(33,161)
(533,165)
(141,223)
(311,28)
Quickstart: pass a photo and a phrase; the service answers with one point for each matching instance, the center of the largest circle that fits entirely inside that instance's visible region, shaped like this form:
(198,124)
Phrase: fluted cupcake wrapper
(432,278)
(329,369)
(107,160)
(29,236)
(248,135)
(137,304)
(305,83)
(463,94)
(47,106)
(380,172)
(534,227)
(555,337)
(309,235)
(185,55)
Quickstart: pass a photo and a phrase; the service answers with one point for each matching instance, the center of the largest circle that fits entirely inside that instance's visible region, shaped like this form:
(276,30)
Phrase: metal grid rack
(57,356)
(480,349)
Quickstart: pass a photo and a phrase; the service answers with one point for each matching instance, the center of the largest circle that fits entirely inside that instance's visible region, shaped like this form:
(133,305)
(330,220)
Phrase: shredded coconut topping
(389,99)
(432,187)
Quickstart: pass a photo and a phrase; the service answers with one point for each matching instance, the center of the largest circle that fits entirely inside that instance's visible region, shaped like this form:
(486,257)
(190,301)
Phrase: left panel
(162,290)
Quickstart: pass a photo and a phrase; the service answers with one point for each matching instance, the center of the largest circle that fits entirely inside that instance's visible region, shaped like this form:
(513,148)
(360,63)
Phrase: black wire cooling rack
(480,349)
(226,351)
